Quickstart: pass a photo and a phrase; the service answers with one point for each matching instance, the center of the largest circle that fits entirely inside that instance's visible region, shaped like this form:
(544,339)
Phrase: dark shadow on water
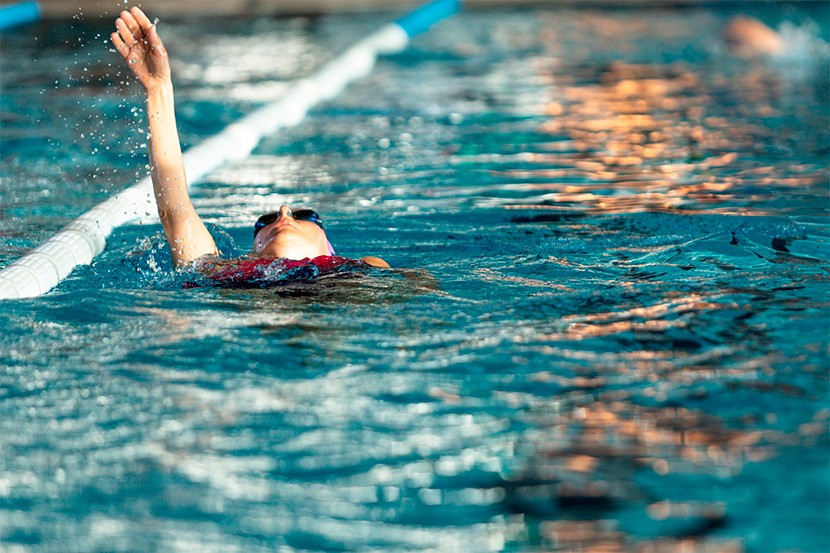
(376,286)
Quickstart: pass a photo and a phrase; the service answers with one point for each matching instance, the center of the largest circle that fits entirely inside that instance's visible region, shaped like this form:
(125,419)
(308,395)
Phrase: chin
(291,252)
(292,245)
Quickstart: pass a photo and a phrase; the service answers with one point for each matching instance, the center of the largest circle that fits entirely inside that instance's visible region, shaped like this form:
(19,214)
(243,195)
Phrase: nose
(285,211)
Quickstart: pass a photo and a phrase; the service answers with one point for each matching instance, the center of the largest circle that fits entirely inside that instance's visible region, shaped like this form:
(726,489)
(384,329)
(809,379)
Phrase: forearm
(187,236)
(166,160)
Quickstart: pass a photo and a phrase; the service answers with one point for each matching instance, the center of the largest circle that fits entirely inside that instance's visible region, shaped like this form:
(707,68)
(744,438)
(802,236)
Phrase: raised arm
(139,44)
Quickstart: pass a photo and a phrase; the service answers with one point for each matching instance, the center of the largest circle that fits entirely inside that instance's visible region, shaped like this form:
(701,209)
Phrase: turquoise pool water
(627,349)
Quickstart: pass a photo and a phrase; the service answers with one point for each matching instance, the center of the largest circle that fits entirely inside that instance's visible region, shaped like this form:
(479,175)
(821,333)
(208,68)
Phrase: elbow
(167,217)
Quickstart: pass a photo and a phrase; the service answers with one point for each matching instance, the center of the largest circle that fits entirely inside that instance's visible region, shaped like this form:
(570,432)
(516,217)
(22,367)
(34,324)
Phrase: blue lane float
(420,20)
(78,243)
(18,14)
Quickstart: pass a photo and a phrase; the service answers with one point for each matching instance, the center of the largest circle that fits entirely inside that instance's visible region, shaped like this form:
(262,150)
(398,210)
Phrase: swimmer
(293,234)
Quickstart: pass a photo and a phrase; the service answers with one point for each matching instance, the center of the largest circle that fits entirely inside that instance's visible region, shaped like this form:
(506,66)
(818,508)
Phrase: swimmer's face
(284,235)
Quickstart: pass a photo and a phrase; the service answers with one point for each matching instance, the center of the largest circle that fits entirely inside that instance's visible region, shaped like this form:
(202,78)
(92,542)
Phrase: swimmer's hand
(138,42)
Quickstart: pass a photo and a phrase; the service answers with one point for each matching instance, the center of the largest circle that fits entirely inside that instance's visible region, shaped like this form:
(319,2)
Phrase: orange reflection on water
(644,139)
(638,319)
(604,536)
(590,454)
(492,276)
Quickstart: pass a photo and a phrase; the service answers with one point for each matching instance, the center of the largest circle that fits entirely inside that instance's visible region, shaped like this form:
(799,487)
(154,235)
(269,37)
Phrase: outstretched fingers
(154,40)
(132,25)
(127,37)
(141,19)
(148,30)
(122,48)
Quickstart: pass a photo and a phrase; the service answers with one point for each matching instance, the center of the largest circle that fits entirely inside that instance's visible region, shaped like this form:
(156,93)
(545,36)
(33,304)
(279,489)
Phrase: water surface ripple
(612,333)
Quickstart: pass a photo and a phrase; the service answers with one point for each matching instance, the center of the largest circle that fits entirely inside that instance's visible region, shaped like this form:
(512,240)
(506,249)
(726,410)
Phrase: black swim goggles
(298,214)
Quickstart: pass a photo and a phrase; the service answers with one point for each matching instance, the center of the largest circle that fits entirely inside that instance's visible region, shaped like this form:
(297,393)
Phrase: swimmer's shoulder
(375,262)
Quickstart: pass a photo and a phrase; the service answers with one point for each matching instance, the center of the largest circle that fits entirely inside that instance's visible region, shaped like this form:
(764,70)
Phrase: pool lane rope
(79,242)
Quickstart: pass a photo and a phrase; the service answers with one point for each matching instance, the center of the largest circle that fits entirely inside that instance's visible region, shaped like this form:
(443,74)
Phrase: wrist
(159,89)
